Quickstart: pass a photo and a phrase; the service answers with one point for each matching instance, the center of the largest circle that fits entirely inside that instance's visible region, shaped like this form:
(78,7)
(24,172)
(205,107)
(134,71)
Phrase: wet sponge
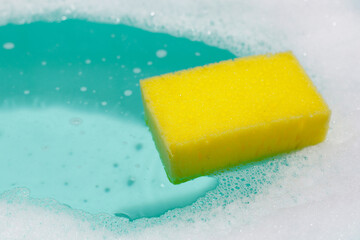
(217,116)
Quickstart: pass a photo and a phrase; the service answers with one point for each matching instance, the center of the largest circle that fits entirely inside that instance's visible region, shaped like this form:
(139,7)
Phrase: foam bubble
(9,45)
(128,93)
(161,53)
(75,121)
(136,70)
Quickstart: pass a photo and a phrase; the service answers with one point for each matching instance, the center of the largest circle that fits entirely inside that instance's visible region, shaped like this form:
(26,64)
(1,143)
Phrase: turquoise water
(71,118)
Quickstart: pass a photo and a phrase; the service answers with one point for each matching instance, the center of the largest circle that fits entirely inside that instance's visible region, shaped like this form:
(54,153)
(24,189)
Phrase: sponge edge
(218,116)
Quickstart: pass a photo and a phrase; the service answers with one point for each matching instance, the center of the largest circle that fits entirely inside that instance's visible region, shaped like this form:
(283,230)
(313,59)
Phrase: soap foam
(313,193)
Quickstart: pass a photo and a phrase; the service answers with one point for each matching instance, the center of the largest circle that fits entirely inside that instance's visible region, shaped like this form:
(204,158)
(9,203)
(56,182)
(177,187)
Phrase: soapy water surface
(72,118)
(310,194)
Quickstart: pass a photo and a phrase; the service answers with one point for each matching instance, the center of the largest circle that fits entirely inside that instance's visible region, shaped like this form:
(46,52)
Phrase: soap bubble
(161,53)
(9,45)
(136,70)
(127,93)
(75,121)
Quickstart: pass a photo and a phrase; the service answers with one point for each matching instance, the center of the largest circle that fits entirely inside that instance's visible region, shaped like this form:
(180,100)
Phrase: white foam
(26,218)
(314,192)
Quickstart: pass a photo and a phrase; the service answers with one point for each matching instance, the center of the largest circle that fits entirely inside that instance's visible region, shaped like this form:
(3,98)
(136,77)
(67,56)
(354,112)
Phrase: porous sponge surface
(217,116)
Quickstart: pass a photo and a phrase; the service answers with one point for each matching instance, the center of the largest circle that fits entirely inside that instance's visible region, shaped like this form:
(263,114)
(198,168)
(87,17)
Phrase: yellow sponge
(217,116)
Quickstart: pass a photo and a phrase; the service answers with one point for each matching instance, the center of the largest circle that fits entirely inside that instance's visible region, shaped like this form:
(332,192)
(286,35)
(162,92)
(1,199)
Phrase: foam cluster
(310,194)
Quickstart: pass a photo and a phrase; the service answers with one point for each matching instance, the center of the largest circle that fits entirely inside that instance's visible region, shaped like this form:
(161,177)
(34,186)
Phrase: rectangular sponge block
(220,115)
